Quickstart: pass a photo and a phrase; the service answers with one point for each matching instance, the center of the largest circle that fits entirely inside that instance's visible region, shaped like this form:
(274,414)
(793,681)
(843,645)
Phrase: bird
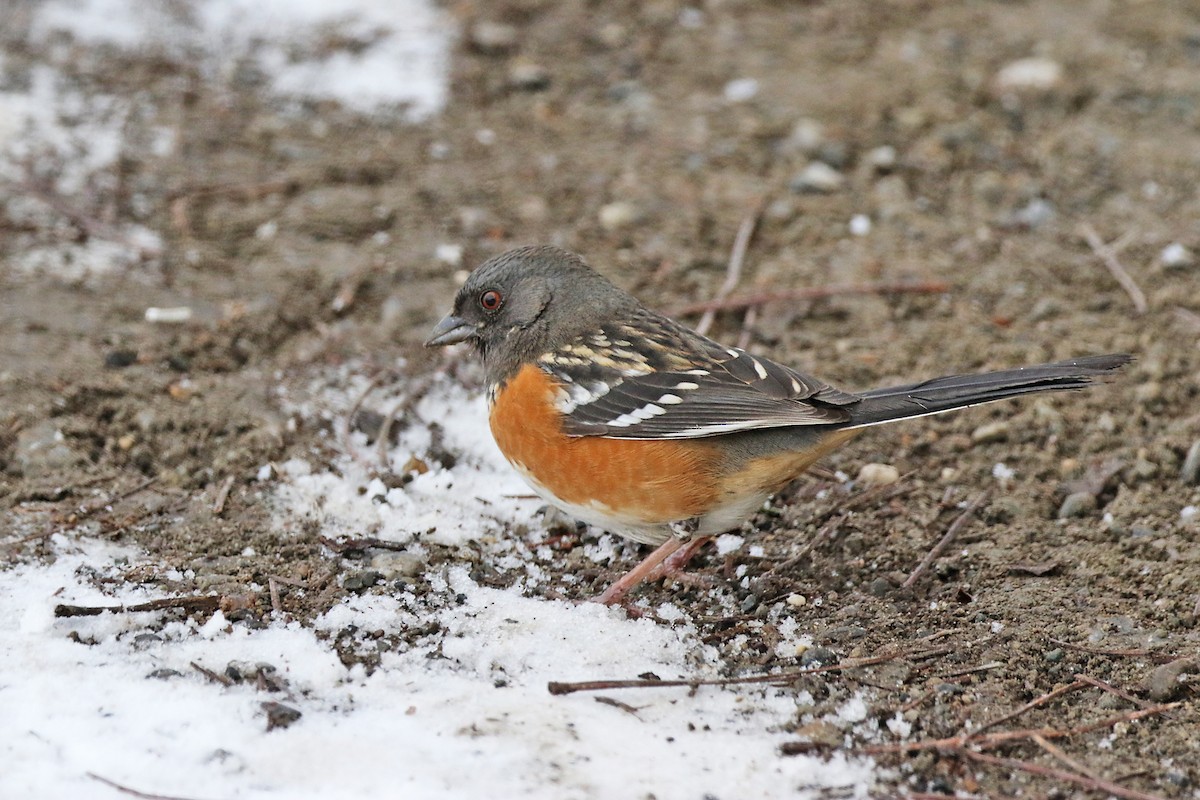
(631,422)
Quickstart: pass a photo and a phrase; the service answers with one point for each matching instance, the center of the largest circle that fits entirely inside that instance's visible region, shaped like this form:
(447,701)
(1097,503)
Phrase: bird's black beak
(451,330)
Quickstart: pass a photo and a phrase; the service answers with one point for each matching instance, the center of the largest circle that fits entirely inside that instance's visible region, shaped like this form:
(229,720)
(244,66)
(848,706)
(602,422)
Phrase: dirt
(303,238)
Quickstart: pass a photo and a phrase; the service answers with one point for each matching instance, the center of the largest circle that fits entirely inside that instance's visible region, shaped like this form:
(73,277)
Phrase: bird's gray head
(525,302)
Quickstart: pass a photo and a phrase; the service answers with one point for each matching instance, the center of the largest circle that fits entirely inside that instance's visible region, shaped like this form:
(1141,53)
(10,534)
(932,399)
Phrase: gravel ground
(1012,151)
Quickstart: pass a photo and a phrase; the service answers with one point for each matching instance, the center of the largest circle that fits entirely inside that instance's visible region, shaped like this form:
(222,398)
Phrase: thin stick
(1107,254)
(197,603)
(1100,651)
(273,588)
(945,541)
(958,743)
(748,327)
(132,792)
(1108,687)
(212,676)
(1062,775)
(222,495)
(1061,755)
(733,272)
(559,687)
(1032,704)
(813,293)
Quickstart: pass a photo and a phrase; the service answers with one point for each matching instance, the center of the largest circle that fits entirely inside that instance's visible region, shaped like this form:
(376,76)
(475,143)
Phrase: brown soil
(988,192)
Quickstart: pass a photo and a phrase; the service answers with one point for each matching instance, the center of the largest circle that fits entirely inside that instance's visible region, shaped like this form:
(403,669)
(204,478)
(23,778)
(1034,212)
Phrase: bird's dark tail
(960,391)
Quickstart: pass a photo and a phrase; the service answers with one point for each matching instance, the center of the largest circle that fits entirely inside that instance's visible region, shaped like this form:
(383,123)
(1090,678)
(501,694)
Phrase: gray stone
(42,449)
(1077,504)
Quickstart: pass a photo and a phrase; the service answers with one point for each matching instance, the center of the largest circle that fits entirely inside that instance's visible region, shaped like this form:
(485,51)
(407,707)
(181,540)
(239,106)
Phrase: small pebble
(1077,504)
(170,316)
(807,136)
(617,215)
(818,656)
(796,600)
(878,474)
(818,177)
(1190,472)
(279,715)
(880,587)
(1175,256)
(882,158)
(1033,215)
(991,432)
(1053,656)
(364,579)
(118,359)
(449,254)
(528,76)
(1165,682)
(860,225)
(392,565)
(1143,469)
(493,37)
(741,90)
(1029,75)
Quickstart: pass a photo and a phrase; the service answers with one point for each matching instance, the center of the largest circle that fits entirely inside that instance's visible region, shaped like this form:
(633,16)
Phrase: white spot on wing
(637,415)
(759,369)
(796,387)
(670,399)
(573,395)
(733,352)
(685,385)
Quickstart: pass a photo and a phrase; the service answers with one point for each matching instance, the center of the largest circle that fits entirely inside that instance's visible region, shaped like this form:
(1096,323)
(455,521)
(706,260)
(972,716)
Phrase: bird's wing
(650,378)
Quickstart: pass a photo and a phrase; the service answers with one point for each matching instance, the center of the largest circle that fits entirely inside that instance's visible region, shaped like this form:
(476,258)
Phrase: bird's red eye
(490,300)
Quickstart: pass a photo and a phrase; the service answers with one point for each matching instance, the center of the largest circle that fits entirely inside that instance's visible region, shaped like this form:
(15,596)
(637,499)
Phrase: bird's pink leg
(616,593)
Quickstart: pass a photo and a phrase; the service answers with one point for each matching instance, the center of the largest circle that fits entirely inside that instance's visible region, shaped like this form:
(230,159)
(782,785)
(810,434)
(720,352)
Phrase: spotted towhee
(629,421)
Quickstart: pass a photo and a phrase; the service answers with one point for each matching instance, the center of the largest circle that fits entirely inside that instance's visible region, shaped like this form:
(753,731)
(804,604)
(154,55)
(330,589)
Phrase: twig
(288,581)
(273,588)
(958,743)
(132,792)
(197,603)
(1062,775)
(733,272)
(748,327)
(361,543)
(1108,687)
(559,687)
(1107,253)
(85,222)
(958,673)
(611,701)
(813,293)
(212,676)
(222,495)
(85,511)
(1032,704)
(1100,651)
(945,541)
(385,433)
(1061,755)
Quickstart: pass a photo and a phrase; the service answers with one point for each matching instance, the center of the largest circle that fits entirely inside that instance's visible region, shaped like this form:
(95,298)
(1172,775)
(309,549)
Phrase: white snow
(399,53)
(463,712)
(371,56)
